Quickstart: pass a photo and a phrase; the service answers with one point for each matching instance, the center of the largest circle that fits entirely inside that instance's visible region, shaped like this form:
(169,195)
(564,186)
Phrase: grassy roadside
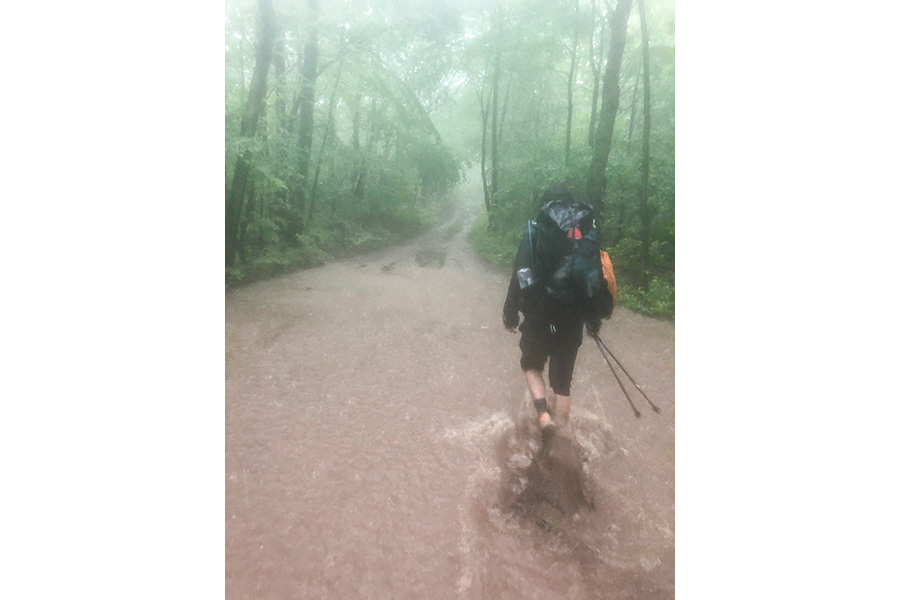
(324,242)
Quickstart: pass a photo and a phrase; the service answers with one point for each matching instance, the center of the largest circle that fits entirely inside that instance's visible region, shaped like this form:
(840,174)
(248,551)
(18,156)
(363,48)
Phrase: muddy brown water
(380,443)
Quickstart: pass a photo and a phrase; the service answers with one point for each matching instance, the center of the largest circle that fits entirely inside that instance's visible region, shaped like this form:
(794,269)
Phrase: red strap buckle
(574,234)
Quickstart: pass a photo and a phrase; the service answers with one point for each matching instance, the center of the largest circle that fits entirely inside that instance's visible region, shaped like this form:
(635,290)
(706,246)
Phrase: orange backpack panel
(610,276)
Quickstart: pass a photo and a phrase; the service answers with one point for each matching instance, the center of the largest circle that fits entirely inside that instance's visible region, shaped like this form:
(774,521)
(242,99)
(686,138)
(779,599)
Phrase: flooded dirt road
(380,443)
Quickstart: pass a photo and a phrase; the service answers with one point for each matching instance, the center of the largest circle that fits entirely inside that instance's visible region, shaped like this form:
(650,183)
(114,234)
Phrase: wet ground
(380,442)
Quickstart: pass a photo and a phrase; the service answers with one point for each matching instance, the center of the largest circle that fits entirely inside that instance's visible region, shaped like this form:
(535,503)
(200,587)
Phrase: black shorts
(539,342)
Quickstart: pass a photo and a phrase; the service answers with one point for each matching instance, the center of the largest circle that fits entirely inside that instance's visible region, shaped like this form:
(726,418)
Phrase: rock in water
(431,256)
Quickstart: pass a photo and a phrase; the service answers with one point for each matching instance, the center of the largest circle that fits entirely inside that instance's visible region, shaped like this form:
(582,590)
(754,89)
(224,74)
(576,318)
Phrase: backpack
(568,264)
(610,276)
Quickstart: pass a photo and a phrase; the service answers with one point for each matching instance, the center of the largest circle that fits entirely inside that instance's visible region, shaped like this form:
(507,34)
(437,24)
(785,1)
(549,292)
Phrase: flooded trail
(380,443)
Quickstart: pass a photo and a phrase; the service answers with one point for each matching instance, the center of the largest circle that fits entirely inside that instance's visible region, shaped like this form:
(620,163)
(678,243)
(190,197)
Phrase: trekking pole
(616,375)
(603,347)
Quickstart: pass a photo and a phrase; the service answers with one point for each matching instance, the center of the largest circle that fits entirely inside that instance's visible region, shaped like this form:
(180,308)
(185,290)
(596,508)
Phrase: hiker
(559,286)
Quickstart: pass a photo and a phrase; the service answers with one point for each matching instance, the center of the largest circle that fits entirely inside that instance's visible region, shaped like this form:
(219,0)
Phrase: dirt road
(379,443)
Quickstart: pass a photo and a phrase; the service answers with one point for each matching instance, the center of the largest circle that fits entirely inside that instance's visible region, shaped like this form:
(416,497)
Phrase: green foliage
(265,230)
(498,247)
(398,115)
(310,251)
(330,239)
(435,164)
(392,186)
(234,274)
(658,300)
(275,261)
(377,162)
(626,257)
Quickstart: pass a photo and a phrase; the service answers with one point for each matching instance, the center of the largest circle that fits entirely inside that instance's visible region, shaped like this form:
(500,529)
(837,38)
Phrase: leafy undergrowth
(657,301)
(323,242)
(497,247)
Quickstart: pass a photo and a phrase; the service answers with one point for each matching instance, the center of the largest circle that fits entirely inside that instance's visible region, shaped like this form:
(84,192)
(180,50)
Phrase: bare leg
(535,381)
(562,408)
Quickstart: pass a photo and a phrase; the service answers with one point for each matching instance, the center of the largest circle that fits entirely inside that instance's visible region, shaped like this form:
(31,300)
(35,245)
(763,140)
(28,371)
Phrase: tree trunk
(280,104)
(357,109)
(503,110)
(538,104)
(485,110)
(633,109)
(234,202)
(359,187)
(645,163)
(356,163)
(307,103)
(570,90)
(283,123)
(596,179)
(241,54)
(596,62)
(249,209)
(495,151)
(329,125)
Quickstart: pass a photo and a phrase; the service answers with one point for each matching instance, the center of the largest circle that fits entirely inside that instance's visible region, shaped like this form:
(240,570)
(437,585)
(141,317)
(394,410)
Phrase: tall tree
(596,179)
(278,63)
(484,104)
(633,109)
(329,125)
(570,88)
(596,71)
(645,155)
(234,202)
(495,101)
(490,115)
(306,101)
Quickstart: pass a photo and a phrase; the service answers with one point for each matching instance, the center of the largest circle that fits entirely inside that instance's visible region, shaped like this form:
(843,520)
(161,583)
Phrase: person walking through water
(558,284)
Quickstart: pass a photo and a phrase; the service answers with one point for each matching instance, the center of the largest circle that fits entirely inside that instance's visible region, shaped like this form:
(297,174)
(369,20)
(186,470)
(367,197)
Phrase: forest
(350,125)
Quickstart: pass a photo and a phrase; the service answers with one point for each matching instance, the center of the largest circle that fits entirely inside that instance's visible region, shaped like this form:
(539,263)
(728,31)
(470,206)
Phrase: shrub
(498,247)
(658,300)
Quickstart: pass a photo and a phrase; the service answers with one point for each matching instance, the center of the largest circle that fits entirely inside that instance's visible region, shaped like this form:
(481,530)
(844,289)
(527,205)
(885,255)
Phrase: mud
(380,442)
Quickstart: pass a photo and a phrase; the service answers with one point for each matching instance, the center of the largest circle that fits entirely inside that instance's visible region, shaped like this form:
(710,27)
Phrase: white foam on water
(475,433)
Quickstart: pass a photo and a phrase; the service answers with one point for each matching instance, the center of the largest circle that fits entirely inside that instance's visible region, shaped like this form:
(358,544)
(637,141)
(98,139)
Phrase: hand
(593,328)
(509,328)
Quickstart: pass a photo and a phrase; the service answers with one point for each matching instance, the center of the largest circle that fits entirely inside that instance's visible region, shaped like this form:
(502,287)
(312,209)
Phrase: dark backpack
(566,261)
